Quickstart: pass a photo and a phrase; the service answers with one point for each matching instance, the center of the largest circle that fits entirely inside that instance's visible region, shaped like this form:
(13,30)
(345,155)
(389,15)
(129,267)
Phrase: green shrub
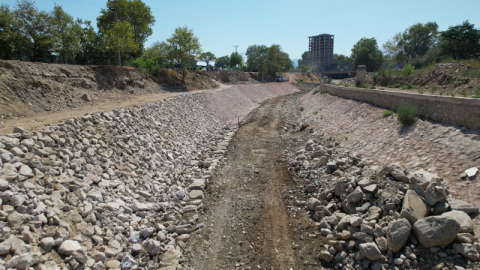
(375,77)
(452,94)
(408,70)
(315,112)
(301,109)
(477,93)
(407,86)
(420,90)
(387,113)
(406,114)
(441,93)
(345,137)
(463,93)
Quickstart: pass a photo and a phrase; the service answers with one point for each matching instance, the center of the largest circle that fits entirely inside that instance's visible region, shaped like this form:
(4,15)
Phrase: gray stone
(325,256)
(95,195)
(128,262)
(47,243)
(68,247)
(397,172)
(436,231)
(196,194)
(22,261)
(462,206)
(355,196)
(434,193)
(152,246)
(370,251)
(467,250)
(398,233)
(466,225)
(440,208)
(413,207)
(15,220)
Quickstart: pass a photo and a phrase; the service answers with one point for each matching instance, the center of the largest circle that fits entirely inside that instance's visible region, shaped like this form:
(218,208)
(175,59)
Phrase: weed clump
(408,70)
(407,114)
(387,113)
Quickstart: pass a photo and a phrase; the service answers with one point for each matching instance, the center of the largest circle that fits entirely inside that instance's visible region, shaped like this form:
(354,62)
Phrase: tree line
(27,33)
(419,45)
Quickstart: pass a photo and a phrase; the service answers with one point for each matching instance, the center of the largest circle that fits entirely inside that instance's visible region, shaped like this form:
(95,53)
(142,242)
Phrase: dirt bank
(27,89)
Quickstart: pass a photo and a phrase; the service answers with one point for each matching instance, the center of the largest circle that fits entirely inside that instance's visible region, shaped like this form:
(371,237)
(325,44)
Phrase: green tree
(134,12)
(366,52)
(86,35)
(461,41)
(207,57)
(418,39)
(184,46)
(10,36)
(277,60)
(236,59)
(158,51)
(222,62)
(256,57)
(36,26)
(339,61)
(67,34)
(121,38)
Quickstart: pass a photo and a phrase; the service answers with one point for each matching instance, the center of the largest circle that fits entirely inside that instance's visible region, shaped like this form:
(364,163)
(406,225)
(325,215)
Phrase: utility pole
(119,59)
(236,46)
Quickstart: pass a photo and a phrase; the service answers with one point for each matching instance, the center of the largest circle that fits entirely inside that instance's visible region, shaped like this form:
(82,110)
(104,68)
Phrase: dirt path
(247,222)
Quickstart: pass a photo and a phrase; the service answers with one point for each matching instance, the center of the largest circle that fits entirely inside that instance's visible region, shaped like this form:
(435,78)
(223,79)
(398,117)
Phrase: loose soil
(247,225)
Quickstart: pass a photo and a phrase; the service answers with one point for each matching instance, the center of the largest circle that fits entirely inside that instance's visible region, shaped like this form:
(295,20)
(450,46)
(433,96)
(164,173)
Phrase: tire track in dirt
(247,225)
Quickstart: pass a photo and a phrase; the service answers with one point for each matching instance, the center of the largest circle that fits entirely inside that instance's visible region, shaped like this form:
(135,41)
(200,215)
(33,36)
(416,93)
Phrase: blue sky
(221,24)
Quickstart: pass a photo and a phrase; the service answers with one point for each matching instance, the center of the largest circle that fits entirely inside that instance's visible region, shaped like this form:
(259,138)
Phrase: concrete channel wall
(449,110)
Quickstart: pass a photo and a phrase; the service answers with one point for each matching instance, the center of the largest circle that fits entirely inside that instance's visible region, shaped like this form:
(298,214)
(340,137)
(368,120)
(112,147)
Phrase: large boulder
(467,250)
(398,233)
(436,231)
(462,206)
(435,192)
(466,225)
(398,172)
(414,208)
(370,251)
(422,178)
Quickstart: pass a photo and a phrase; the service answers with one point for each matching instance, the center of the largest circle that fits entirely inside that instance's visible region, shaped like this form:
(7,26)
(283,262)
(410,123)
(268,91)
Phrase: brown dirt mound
(28,88)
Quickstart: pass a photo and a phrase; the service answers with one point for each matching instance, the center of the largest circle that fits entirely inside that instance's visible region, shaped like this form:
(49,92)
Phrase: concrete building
(321,51)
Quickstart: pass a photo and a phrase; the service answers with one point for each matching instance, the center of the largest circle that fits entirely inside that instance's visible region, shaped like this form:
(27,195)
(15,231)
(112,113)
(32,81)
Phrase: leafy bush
(406,114)
(477,93)
(315,112)
(464,93)
(375,78)
(387,113)
(420,90)
(301,109)
(408,70)
(407,86)
(147,65)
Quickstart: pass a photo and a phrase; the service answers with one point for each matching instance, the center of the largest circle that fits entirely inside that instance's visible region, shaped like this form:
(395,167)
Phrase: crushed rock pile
(377,217)
(116,190)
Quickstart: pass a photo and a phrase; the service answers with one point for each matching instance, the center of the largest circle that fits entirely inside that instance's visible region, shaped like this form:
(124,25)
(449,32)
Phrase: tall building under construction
(321,52)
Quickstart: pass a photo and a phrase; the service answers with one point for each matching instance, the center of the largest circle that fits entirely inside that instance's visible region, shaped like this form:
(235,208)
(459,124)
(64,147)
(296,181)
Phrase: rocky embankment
(115,190)
(382,217)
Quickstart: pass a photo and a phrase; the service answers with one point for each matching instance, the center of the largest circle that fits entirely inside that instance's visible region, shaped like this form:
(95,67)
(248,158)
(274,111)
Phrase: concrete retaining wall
(449,110)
